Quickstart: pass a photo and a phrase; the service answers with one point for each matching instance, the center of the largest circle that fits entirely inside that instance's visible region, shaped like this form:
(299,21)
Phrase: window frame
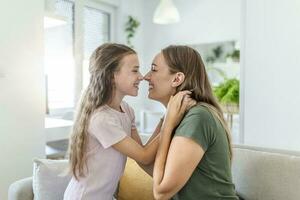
(78,45)
(109,9)
(58,112)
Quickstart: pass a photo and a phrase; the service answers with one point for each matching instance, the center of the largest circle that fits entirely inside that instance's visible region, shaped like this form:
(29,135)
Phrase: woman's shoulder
(198,111)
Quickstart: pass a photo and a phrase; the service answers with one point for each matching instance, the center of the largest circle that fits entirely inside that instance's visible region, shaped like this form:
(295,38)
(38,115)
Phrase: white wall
(135,9)
(22,89)
(270,73)
(201,22)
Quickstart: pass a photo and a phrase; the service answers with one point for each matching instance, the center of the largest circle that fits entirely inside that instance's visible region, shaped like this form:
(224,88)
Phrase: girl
(194,158)
(104,132)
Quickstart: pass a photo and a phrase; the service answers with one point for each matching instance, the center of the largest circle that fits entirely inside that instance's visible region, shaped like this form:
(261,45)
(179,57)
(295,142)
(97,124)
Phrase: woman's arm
(174,164)
(183,153)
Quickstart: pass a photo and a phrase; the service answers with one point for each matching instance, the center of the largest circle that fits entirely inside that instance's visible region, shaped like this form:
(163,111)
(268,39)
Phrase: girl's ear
(178,79)
(113,80)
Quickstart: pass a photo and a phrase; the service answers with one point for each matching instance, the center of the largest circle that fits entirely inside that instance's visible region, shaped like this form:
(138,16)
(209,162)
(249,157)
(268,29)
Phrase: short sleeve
(197,126)
(131,114)
(107,130)
(132,118)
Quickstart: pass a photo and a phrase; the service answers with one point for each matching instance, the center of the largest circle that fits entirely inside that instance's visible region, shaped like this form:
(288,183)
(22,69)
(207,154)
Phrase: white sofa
(258,173)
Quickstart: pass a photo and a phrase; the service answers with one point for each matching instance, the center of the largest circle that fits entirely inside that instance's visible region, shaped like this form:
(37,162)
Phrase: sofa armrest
(21,190)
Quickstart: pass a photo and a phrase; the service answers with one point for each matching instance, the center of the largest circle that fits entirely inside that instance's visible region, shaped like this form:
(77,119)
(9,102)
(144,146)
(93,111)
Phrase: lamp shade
(166,13)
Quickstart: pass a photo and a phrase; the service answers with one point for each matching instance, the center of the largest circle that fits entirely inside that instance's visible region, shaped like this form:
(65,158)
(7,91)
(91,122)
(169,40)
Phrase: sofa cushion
(135,184)
(266,174)
(50,179)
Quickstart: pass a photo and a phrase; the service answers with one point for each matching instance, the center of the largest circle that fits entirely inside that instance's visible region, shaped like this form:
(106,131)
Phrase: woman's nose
(140,77)
(147,76)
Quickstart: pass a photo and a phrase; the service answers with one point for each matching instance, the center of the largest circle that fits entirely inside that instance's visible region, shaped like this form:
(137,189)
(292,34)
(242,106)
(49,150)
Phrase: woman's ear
(178,79)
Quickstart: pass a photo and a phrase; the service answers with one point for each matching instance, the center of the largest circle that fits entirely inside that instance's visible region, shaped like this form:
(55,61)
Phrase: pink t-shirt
(105,164)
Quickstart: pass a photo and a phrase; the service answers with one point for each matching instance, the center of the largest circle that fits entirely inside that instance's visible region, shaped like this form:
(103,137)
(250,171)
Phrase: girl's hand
(177,107)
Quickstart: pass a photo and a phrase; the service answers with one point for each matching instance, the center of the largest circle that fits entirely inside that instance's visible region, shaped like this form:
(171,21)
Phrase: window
(223,69)
(59,59)
(97,30)
(67,50)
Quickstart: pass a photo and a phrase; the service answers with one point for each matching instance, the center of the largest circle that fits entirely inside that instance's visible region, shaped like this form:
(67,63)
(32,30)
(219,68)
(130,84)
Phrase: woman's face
(160,80)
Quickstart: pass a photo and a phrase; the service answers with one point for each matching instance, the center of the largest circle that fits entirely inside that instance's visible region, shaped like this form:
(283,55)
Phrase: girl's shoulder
(125,105)
(127,108)
(101,113)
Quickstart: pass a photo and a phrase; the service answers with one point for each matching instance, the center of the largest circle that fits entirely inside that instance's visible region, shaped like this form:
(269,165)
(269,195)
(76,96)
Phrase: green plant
(130,29)
(218,51)
(228,91)
(235,55)
(216,54)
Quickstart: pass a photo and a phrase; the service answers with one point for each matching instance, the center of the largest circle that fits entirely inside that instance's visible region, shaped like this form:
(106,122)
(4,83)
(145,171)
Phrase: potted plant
(130,29)
(228,95)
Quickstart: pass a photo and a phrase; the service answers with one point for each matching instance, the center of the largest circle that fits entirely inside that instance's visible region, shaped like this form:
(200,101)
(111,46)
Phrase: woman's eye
(153,69)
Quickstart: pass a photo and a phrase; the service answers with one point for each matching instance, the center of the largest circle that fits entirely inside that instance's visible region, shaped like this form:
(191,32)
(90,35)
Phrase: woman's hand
(177,107)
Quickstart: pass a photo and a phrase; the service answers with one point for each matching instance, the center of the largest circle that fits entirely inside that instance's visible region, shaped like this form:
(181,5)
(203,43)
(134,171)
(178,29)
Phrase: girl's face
(160,80)
(128,77)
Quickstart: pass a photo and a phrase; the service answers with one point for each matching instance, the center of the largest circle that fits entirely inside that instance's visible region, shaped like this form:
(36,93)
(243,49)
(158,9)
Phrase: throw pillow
(50,179)
(135,184)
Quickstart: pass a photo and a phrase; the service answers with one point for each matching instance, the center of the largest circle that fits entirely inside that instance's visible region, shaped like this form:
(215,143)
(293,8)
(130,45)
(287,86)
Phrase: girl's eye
(135,71)
(153,69)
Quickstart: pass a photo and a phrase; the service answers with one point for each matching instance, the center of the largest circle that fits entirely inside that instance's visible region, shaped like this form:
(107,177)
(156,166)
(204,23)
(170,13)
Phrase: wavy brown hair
(104,62)
(187,60)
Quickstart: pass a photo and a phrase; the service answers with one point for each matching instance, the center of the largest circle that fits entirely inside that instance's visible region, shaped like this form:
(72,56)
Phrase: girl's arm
(156,131)
(141,154)
(134,134)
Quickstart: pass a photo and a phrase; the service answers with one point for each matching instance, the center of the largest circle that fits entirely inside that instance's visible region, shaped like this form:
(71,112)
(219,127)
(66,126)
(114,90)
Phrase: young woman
(194,156)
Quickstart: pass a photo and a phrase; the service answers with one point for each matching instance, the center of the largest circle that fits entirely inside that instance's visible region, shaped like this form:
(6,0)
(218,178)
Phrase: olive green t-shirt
(211,179)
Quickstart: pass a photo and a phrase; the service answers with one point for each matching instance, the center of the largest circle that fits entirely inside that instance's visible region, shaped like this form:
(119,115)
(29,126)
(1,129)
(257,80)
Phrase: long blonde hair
(104,62)
(188,61)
